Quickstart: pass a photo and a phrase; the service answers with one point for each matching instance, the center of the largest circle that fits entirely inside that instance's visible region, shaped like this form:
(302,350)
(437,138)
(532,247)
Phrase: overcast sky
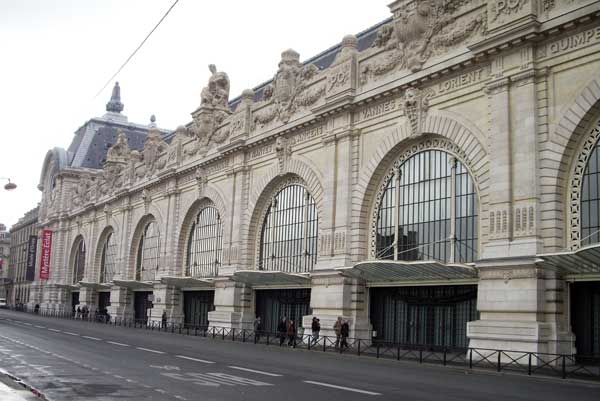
(57,54)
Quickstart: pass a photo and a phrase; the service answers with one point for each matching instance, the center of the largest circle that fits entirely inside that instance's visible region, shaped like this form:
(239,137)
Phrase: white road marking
(355,390)
(193,359)
(92,338)
(40,327)
(28,324)
(260,372)
(119,344)
(150,350)
(54,330)
(71,334)
(158,390)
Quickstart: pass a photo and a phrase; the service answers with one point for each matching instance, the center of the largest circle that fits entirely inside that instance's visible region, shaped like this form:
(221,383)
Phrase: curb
(25,385)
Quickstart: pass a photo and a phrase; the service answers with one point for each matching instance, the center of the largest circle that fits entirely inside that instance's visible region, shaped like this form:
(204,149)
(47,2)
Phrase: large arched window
(79,261)
(205,244)
(590,199)
(428,211)
(289,232)
(108,258)
(148,253)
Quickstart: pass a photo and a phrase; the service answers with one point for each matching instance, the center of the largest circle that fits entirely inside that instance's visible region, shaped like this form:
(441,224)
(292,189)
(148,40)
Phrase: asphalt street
(74,360)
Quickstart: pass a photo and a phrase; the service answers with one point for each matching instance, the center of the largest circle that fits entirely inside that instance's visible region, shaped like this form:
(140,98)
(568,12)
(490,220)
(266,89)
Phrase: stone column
(121,303)
(88,296)
(234,305)
(167,298)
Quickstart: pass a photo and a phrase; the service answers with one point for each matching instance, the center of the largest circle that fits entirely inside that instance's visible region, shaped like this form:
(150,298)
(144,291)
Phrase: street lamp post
(10,185)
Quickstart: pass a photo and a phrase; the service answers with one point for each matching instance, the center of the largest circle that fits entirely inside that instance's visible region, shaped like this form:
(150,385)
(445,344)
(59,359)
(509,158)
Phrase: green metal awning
(582,262)
(134,284)
(256,278)
(409,271)
(187,282)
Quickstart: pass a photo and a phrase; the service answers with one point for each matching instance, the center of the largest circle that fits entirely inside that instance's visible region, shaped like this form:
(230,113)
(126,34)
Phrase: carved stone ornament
(507,7)
(416,105)
(147,199)
(84,192)
(283,147)
(117,160)
(201,181)
(153,149)
(420,30)
(214,108)
(290,89)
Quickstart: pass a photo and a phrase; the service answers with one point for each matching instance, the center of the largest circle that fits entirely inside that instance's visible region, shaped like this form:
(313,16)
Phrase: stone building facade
(4,261)
(19,277)
(433,180)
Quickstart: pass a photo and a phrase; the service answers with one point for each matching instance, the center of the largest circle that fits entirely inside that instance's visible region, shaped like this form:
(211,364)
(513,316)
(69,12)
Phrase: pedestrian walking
(316,328)
(345,332)
(282,330)
(337,328)
(164,320)
(257,329)
(78,315)
(291,332)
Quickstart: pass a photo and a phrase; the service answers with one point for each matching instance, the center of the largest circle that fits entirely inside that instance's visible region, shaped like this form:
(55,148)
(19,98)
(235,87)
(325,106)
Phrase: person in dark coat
(282,330)
(316,328)
(291,332)
(345,332)
(257,329)
(164,320)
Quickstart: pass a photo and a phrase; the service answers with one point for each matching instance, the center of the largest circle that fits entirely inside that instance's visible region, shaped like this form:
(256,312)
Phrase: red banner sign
(46,253)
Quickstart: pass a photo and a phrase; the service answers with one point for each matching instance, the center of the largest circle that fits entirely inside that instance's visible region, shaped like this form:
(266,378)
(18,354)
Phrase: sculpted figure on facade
(420,30)
(289,90)
(154,147)
(83,191)
(214,108)
(117,161)
(283,147)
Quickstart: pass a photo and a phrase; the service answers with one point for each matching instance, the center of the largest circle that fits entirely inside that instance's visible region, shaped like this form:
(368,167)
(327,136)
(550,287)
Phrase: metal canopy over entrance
(187,282)
(95,286)
(258,278)
(413,271)
(576,264)
(134,285)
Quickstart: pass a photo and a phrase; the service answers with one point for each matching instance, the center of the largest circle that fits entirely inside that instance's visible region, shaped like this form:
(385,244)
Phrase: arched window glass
(428,211)
(148,253)
(590,199)
(79,262)
(289,232)
(205,244)
(108,259)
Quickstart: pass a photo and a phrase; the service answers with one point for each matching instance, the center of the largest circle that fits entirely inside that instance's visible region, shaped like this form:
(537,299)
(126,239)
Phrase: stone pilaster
(167,298)
(234,306)
(121,303)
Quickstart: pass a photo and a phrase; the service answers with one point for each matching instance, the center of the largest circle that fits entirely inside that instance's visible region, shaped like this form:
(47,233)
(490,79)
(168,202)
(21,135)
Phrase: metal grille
(196,305)
(428,211)
(272,305)
(289,233)
(79,262)
(435,316)
(108,259)
(205,244)
(148,255)
(590,200)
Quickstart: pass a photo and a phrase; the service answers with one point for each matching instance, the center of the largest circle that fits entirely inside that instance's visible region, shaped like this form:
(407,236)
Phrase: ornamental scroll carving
(506,7)
(576,184)
(419,31)
(416,105)
(290,90)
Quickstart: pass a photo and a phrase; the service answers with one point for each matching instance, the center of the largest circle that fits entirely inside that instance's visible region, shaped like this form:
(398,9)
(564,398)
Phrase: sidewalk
(12,391)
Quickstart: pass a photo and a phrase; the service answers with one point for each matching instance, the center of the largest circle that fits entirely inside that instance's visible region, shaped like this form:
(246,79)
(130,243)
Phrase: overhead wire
(137,48)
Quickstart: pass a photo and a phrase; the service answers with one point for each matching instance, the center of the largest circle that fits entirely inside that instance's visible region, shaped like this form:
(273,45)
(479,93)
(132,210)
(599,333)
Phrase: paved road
(74,360)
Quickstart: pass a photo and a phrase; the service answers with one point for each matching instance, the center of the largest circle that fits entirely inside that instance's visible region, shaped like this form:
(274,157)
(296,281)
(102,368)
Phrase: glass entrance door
(434,316)
(196,305)
(272,305)
(585,312)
